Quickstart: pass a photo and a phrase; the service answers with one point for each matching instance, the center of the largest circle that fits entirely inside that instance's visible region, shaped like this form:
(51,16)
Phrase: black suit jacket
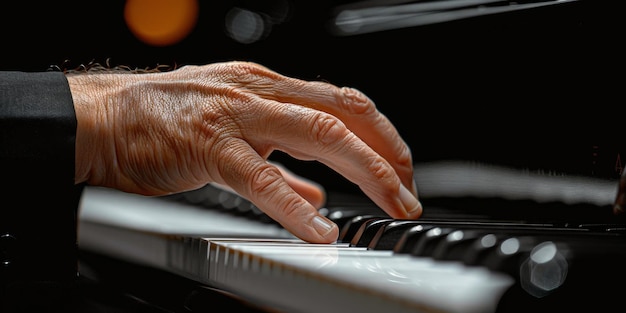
(38,215)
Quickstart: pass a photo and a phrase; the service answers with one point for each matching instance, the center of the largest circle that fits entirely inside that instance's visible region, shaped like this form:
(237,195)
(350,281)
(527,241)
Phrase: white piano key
(153,214)
(271,267)
(355,278)
(141,229)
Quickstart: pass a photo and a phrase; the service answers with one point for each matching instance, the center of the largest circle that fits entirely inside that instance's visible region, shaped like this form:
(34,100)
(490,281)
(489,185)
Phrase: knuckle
(265,180)
(381,170)
(231,159)
(355,102)
(249,69)
(328,129)
(403,156)
(266,185)
(290,206)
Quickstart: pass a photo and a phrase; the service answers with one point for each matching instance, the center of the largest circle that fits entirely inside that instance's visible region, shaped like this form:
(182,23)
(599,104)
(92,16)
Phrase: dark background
(539,89)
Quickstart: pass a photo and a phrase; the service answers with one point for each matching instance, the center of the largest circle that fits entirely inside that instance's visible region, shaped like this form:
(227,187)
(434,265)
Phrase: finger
(309,190)
(355,109)
(309,134)
(247,173)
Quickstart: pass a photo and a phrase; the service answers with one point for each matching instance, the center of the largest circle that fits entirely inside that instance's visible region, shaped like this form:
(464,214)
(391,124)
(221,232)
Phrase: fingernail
(322,225)
(412,206)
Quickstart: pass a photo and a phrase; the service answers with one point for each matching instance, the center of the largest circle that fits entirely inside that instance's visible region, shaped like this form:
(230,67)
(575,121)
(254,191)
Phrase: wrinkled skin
(167,132)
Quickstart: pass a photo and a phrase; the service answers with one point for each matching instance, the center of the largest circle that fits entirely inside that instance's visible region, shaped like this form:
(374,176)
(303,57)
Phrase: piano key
(388,236)
(410,238)
(456,244)
(392,233)
(426,244)
(351,226)
(110,207)
(508,255)
(343,214)
(468,241)
(246,256)
(337,273)
(480,247)
(366,232)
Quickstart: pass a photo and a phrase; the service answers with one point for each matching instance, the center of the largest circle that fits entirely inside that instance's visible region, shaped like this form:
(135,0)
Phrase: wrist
(90,124)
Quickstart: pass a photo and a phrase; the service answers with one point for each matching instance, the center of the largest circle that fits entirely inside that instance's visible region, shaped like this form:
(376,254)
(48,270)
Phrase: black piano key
(368,230)
(509,253)
(468,241)
(427,242)
(340,215)
(351,227)
(410,238)
(456,244)
(388,236)
(480,247)
(478,242)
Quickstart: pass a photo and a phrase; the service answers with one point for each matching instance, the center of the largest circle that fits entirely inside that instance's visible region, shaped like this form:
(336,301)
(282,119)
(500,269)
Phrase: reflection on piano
(516,248)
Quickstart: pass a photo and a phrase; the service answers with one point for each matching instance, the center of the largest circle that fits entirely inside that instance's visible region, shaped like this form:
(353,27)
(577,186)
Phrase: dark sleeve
(38,235)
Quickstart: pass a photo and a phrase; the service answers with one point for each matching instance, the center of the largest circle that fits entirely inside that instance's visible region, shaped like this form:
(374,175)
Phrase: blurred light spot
(455,235)
(245,26)
(434,232)
(252,21)
(545,270)
(544,252)
(510,246)
(488,241)
(161,22)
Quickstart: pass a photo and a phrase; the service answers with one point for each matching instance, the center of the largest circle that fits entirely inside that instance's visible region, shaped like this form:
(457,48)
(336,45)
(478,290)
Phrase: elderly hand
(172,131)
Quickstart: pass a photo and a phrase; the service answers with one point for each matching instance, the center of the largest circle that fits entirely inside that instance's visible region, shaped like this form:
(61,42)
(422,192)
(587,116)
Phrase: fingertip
(416,212)
(316,229)
(327,230)
(412,206)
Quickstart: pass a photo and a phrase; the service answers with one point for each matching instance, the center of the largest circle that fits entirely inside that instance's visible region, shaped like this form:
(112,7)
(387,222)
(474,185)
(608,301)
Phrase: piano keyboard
(378,264)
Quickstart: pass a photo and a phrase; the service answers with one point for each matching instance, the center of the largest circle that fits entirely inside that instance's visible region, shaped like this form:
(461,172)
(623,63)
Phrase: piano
(502,254)
(518,202)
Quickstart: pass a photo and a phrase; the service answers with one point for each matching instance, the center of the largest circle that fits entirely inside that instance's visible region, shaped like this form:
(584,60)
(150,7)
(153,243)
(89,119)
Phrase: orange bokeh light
(161,22)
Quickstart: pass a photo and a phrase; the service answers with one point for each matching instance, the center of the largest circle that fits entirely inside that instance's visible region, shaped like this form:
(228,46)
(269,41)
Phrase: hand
(172,131)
